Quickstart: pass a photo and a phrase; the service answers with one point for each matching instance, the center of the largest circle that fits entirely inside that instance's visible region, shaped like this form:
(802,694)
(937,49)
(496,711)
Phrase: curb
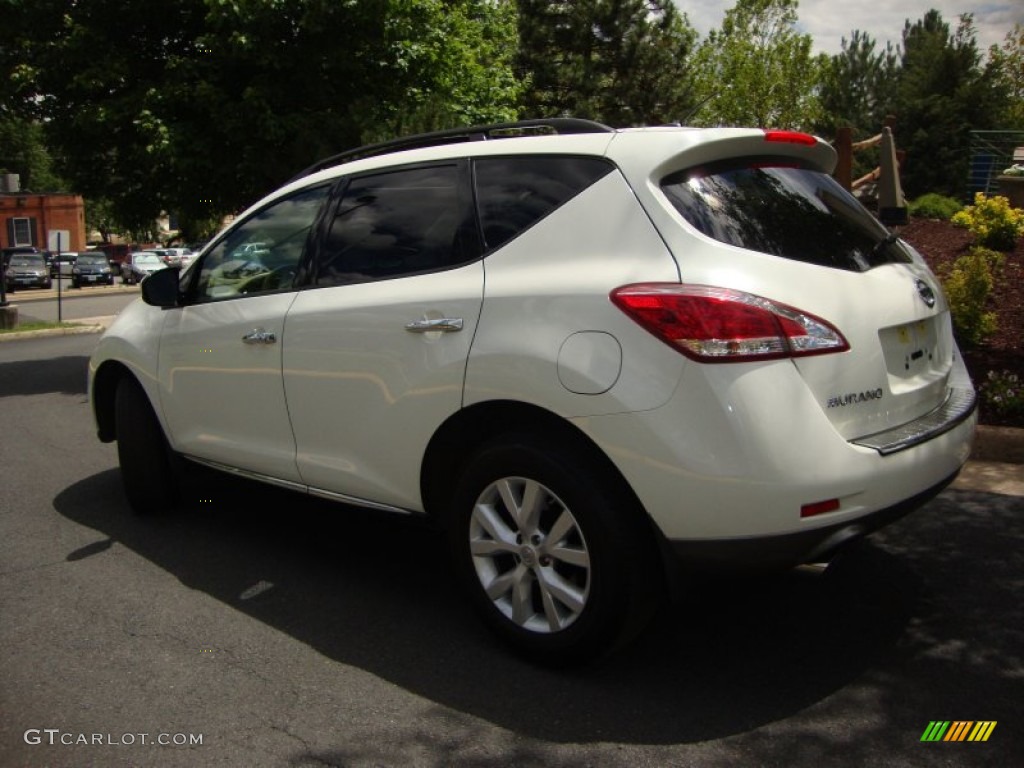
(1002,444)
(27,297)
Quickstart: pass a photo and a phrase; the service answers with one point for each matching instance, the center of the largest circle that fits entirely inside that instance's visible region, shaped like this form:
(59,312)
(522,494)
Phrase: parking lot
(254,627)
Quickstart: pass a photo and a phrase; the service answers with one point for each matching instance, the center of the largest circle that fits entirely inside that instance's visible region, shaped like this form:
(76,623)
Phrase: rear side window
(773,207)
(399,223)
(514,193)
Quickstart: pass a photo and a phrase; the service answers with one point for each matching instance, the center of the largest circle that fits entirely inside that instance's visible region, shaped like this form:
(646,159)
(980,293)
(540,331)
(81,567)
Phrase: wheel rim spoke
(561,590)
(489,519)
(562,527)
(571,556)
(522,602)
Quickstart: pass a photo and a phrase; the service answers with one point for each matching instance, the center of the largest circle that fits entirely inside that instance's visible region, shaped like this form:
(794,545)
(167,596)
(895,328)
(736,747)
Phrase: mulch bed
(941,243)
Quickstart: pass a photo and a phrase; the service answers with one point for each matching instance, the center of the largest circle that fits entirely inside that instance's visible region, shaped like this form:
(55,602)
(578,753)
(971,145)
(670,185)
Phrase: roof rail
(553,126)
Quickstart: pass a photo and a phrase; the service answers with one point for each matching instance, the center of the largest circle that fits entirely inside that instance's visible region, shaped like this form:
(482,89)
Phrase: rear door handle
(443,324)
(260,336)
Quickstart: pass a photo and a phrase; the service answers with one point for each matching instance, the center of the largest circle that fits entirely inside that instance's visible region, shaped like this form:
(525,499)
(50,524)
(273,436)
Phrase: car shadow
(376,592)
(64,375)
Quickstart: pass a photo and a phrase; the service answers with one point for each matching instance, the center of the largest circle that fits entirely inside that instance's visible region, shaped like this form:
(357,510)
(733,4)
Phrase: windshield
(148,258)
(27,261)
(91,259)
(770,206)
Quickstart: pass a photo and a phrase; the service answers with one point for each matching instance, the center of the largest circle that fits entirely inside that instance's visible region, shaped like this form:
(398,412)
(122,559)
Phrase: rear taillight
(720,325)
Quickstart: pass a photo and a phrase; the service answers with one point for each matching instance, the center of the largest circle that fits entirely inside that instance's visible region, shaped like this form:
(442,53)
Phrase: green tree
(22,144)
(858,87)
(201,106)
(622,62)
(758,70)
(1006,65)
(943,94)
(23,151)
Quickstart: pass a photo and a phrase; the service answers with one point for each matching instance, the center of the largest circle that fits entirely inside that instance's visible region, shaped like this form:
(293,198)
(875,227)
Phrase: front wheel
(147,471)
(555,552)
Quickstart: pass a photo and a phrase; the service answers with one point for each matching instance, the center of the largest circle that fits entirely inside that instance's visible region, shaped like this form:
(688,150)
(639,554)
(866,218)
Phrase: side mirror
(160,289)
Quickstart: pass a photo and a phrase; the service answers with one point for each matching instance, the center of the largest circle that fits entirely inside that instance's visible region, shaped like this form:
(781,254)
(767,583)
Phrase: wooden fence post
(844,147)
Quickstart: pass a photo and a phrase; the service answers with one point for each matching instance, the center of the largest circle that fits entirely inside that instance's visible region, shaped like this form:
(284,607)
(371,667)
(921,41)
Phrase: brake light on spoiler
(790,137)
(721,325)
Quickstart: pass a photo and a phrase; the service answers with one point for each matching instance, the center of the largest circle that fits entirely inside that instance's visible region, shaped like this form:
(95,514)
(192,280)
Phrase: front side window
(262,254)
(396,224)
(514,193)
(779,208)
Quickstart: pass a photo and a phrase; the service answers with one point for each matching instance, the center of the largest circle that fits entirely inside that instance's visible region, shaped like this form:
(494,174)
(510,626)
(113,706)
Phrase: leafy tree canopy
(858,86)
(1006,65)
(943,93)
(757,69)
(201,106)
(622,62)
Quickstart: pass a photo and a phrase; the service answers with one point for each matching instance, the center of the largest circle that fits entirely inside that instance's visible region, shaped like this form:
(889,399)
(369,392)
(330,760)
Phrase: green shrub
(992,221)
(934,206)
(968,284)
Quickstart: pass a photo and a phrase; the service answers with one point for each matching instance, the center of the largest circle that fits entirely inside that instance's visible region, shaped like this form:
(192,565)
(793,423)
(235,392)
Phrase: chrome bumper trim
(958,406)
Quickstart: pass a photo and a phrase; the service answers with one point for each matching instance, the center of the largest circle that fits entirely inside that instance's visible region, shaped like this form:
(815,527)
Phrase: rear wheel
(147,470)
(556,554)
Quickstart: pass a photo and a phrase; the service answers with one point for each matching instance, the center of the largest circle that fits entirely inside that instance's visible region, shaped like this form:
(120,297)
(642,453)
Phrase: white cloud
(828,21)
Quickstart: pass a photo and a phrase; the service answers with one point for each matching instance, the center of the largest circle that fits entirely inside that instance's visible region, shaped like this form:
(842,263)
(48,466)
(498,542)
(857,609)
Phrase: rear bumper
(792,549)
(738,453)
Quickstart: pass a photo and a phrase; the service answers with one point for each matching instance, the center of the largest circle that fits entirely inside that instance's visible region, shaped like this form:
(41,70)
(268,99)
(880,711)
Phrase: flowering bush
(1004,393)
(992,221)
(1014,170)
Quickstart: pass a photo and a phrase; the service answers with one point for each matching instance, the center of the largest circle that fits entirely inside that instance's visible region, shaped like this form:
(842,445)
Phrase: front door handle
(260,336)
(443,324)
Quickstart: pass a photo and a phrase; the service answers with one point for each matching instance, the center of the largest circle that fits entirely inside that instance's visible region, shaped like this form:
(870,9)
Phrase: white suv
(590,354)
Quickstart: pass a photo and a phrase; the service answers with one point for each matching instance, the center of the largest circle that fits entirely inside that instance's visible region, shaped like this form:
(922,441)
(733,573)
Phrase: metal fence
(991,153)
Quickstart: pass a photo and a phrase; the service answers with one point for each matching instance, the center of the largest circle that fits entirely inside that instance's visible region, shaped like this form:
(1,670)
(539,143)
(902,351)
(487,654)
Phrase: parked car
(62,263)
(7,253)
(139,265)
(591,357)
(26,270)
(174,257)
(117,253)
(91,268)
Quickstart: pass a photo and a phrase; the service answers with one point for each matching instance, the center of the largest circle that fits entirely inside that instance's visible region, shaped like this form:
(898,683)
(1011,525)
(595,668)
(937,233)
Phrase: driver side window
(262,254)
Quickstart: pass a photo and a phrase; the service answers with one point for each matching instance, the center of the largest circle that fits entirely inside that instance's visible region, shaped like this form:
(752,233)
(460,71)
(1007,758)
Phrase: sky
(829,21)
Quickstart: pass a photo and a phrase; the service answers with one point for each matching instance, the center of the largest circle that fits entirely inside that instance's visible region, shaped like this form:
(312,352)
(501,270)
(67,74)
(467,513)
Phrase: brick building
(28,218)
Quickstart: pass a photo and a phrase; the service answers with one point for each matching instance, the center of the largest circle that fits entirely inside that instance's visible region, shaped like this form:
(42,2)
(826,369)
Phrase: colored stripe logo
(958,730)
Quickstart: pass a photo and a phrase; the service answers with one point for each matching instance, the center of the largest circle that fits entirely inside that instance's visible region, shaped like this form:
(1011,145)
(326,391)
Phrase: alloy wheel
(530,555)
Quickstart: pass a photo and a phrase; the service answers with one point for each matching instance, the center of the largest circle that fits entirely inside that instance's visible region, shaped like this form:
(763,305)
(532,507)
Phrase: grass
(38,326)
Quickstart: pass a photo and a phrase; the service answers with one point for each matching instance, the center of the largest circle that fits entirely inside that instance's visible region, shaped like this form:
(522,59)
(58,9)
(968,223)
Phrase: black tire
(587,571)
(147,468)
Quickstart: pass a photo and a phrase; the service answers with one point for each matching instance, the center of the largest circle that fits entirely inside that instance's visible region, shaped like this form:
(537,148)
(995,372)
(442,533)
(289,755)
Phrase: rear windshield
(776,208)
